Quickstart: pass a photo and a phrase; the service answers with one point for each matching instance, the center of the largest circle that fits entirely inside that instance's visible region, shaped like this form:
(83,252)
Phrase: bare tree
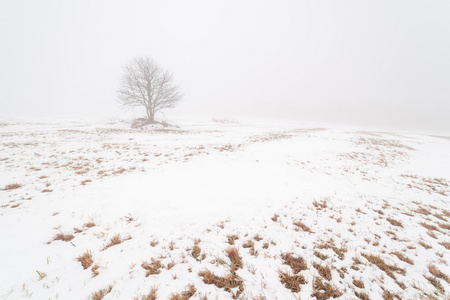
(146,84)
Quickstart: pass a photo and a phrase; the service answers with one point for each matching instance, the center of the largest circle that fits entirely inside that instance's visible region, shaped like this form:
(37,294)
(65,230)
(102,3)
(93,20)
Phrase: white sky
(375,63)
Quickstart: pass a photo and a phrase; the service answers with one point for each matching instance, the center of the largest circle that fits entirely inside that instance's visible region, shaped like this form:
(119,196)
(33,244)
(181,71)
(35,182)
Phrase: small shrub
(297,264)
(101,293)
(66,237)
(85,259)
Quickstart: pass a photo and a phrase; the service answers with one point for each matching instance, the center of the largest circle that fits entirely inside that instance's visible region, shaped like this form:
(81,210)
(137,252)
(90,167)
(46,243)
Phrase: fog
(383,64)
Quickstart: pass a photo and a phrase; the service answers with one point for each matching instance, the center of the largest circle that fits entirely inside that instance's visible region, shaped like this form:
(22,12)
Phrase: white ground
(210,180)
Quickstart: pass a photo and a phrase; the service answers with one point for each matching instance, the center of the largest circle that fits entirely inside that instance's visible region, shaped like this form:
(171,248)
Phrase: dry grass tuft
(232,238)
(425,245)
(379,262)
(153,268)
(297,264)
(101,293)
(429,226)
(390,296)
(323,291)
(257,238)
(320,255)
(435,282)
(235,258)
(394,222)
(358,283)
(446,245)
(292,282)
(437,273)
(300,225)
(66,237)
(444,226)
(403,257)
(275,217)
(187,294)
(115,240)
(324,271)
(85,259)
(362,296)
(89,224)
(150,296)
(248,244)
(12,186)
(423,211)
(226,282)
(95,271)
(320,205)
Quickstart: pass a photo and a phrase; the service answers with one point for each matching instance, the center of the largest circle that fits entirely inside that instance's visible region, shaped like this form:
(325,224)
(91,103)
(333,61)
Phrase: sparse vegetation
(12,186)
(297,264)
(66,237)
(291,281)
(187,294)
(153,268)
(101,293)
(226,282)
(324,290)
(85,259)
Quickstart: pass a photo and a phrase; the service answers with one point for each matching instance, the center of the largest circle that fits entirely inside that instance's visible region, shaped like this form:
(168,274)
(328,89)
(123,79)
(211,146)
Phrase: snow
(207,180)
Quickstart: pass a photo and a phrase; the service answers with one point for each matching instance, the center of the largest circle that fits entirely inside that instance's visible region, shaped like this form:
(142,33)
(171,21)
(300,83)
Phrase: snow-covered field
(221,211)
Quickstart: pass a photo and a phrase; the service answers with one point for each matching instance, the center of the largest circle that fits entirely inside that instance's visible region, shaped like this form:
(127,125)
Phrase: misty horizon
(383,64)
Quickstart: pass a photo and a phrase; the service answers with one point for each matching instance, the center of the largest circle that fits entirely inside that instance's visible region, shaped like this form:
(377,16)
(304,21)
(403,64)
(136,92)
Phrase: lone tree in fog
(146,84)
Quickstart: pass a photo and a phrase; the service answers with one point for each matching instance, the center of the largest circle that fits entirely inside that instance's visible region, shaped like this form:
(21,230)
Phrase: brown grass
(297,264)
(300,225)
(437,273)
(115,240)
(66,237)
(379,262)
(323,291)
(403,257)
(235,258)
(226,282)
(85,259)
(248,244)
(446,245)
(153,268)
(435,282)
(429,226)
(89,224)
(358,283)
(362,296)
(95,271)
(320,205)
(12,186)
(423,211)
(324,271)
(320,255)
(150,296)
(232,238)
(444,226)
(275,217)
(101,293)
(390,296)
(425,245)
(292,282)
(196,250)
(257,238)
(187,294)
(394,222)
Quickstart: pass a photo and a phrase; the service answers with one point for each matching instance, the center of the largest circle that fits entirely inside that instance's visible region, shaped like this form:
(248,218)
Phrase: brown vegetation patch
(248,244)
(362,296)
(403,257)
(150,296)
(89,224)
(292,282)
(379,262)
(300,225)
(275,217)
(187,294)
(95,271)
(394,222)
(232,238)
(444,226)
(153,268)
(66,237)
(320,205)
(446,245)
(429,226)
(324,290)
(320,255)
(435,282)
(437,273)
(235,258)
(423,211)
(425,245)
(297,264)
(324,271)
(226,282)
(115,240)
(85,259)
(12,186)
(101,293)
(390,296)
(358,283)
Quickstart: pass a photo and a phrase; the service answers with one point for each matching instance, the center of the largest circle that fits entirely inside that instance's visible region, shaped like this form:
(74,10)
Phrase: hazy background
(372,63)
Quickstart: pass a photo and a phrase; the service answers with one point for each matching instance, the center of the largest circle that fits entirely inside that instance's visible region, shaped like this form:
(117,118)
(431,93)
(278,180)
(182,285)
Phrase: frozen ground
(218,211)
